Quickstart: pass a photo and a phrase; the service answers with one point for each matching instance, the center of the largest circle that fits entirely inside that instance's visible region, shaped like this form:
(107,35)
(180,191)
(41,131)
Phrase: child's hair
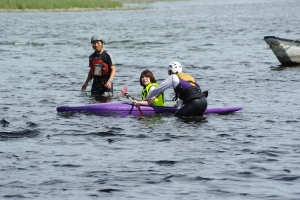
(149,74)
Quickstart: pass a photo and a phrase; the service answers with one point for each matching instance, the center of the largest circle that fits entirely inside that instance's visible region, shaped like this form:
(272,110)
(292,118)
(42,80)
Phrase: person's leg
(99,89)
(195,107)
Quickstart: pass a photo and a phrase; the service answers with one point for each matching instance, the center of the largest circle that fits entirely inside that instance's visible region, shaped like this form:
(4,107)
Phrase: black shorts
(195,107)
(99,89)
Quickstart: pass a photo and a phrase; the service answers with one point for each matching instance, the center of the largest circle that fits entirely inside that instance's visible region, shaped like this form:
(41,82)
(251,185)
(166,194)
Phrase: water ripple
(27,133)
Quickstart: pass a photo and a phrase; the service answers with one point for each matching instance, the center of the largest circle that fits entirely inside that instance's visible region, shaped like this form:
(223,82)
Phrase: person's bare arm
(144,102)
(108,84)
(89,77)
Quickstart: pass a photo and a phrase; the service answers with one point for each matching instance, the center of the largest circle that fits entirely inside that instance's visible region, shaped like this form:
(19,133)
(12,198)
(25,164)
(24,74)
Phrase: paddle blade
(123,91)
(121,94)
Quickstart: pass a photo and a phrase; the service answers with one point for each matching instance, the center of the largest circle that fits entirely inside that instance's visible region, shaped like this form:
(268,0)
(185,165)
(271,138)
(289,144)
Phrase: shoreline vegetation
(68,5)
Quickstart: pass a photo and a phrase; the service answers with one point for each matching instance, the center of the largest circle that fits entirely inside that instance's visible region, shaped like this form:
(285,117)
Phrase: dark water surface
(252,154)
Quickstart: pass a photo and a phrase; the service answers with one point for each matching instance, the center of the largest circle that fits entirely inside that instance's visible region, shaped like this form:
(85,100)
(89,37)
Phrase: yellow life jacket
(187,78)
(159,100)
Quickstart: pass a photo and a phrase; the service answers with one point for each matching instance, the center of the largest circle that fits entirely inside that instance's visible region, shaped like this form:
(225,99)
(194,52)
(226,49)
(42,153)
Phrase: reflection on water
(103,99)
(193,119)
(285,67)
(150,120)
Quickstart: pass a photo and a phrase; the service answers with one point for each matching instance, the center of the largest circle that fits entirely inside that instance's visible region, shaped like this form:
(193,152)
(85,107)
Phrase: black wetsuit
(194,102)
(195,107)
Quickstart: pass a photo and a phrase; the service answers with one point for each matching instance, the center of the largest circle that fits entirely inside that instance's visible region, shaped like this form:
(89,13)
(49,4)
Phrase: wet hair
(149,74)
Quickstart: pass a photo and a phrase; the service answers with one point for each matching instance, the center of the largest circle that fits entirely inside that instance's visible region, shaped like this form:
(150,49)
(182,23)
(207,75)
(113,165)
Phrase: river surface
(251,154)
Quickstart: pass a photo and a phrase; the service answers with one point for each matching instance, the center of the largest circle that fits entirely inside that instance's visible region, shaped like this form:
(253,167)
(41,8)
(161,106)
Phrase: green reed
(58,4)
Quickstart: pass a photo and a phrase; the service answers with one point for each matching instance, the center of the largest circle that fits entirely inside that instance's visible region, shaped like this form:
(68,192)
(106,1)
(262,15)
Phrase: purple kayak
(128,108)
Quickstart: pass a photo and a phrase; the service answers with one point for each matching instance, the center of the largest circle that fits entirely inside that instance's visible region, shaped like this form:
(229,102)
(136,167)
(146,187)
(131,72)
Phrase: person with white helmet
(186,89)
(102,69)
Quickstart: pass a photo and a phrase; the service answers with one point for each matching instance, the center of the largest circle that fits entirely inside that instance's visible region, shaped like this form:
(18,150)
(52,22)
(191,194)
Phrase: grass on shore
(58,4)
(144,1)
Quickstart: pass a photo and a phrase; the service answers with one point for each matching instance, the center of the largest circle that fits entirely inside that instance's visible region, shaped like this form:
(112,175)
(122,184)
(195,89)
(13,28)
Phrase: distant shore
(80,5)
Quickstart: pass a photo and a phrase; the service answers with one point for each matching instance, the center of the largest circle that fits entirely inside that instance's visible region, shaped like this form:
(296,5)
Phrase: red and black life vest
(99,65)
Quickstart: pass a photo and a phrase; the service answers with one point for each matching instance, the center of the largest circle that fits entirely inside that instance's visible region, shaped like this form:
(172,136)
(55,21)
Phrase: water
(252,154)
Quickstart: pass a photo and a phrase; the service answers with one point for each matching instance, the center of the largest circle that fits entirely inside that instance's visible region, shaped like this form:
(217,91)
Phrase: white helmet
(97,38)
(175,67)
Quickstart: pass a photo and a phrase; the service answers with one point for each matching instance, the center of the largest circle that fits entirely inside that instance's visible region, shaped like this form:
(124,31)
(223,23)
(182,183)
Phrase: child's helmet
(97,38)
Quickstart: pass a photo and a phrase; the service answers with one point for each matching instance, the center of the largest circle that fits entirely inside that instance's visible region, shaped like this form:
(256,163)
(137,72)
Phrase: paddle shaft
(138,107)
(124,91)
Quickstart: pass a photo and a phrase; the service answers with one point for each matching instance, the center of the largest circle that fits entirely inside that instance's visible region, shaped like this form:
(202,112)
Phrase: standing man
(102,69)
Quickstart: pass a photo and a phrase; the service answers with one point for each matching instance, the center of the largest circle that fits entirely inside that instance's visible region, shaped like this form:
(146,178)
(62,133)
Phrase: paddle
(124,92)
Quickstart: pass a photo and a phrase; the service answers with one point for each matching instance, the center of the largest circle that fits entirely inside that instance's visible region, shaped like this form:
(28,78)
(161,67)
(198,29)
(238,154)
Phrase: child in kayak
(148,82)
